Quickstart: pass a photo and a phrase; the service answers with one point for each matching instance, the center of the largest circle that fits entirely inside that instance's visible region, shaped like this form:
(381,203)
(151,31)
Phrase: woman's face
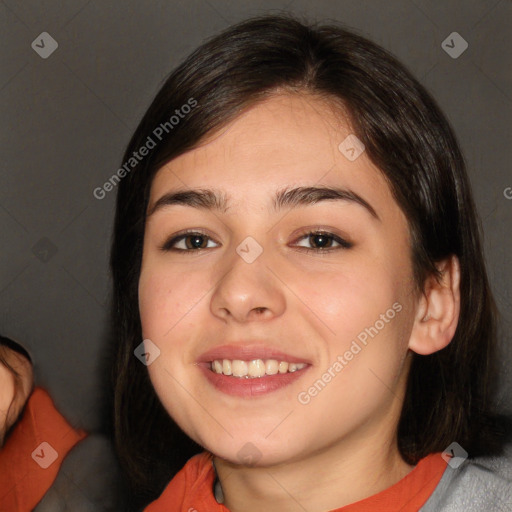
(250,289)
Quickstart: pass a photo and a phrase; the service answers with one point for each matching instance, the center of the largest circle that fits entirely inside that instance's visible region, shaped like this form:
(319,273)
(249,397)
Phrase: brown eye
(195,242)
(192,241)
(323,241)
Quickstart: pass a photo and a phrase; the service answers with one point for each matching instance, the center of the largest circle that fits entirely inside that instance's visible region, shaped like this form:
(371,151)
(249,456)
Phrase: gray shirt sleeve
(88,480)
(477,485)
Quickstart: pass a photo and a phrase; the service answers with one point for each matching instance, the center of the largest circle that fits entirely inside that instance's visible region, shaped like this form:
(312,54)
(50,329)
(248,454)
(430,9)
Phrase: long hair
(449,393)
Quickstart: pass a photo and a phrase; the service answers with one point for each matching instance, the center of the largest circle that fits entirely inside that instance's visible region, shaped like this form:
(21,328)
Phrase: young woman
(304,320)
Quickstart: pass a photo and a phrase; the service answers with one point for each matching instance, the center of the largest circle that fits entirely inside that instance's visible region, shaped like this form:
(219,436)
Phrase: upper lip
(248,352)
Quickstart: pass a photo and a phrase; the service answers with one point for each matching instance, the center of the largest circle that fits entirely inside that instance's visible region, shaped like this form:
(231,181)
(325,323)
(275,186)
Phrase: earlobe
(437,312)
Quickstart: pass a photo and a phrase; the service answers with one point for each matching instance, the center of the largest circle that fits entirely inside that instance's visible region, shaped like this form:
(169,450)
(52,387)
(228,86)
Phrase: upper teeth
(254,368)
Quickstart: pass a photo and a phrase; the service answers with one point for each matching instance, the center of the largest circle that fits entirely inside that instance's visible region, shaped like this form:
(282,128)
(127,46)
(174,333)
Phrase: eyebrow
(212,199)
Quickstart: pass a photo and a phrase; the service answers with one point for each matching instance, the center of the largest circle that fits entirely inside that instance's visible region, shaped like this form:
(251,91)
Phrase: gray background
(67,118)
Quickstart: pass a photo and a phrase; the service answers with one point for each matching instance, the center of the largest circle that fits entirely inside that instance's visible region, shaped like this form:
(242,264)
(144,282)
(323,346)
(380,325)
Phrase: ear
(438,309)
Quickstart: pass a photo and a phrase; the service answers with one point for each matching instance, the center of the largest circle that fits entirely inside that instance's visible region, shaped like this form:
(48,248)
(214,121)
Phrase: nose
(247,292)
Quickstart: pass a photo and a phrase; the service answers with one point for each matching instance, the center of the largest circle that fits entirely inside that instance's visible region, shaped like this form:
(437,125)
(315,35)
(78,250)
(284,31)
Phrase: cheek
(362,374)
(362,312)
(168,301)
(7,390)
(166,296)
(348,299)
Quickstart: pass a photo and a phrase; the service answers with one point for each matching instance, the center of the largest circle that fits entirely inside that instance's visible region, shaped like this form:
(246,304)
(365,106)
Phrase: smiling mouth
(253,369)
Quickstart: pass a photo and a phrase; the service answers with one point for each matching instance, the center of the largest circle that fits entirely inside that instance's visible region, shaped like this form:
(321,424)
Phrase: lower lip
(256,386)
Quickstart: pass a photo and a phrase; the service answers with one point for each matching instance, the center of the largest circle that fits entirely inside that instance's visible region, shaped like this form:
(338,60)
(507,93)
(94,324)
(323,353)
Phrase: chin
(252,451)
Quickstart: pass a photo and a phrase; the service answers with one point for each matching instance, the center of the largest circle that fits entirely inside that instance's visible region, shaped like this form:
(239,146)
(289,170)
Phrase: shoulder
(88,480)
(477,484)
(191,487)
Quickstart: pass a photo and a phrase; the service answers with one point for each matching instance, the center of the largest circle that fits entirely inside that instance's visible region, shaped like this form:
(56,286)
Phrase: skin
(14,389)
(311,305)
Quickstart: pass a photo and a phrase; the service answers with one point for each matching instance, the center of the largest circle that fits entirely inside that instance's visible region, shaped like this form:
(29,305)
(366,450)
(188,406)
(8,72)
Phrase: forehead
(291,139)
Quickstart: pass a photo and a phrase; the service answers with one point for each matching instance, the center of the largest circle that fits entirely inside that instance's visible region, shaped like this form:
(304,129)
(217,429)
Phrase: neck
(336,476)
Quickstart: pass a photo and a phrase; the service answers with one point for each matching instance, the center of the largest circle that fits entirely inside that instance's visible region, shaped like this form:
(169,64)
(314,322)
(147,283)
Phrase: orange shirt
(192,489)
(33,453)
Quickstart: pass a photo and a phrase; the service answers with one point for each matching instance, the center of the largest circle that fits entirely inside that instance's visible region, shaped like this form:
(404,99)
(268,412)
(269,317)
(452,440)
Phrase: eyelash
(343,244)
